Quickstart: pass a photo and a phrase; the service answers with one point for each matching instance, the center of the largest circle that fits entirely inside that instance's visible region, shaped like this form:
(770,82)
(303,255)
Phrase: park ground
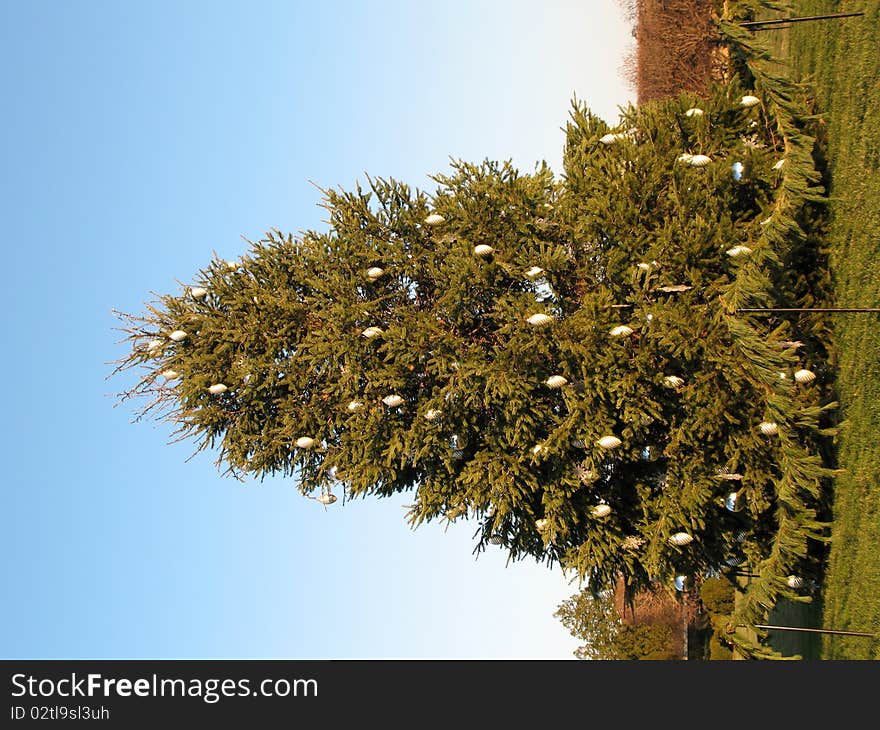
(840,59)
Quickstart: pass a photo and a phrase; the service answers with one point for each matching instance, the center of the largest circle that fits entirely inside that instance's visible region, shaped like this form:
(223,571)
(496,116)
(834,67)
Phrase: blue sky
(139,138)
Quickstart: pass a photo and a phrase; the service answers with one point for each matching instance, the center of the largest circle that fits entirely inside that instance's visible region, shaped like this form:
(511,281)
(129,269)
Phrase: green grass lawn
(842,58)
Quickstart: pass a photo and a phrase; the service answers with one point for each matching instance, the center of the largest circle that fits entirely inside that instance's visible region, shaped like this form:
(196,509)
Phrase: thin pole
(830,310)
(759,24)
(814,631)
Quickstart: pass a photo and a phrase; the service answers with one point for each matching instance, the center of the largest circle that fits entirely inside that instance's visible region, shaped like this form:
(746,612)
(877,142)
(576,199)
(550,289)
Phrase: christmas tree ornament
(609,442)
(682,583)
(694,112)
(578,443)
(483,250)
(699,160)
(556,381)
(217,389)
(738,251)
(534,272)
(681,538)
(170,374)
(675,288)
(805,376)
(620,330)
(768,428)
(537,449)
(733,502)
(779,164)
(198,292)
(601,510)
(371,332)
(611,138)
(392,400)
(154,345)
(794,581)
(432,414)
(632,542)
(541,524)
(539,319)
(749,101)
(326,498)
(435,219)
(354,405)
(374,272)
(178,335)
(305,442)
(673,381)
(495,540)
(737,169)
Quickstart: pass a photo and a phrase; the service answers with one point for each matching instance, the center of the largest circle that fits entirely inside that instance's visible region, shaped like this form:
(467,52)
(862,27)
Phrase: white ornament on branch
(738,251)
(694,112)
(805,376)
(217,389)
(556,381)
(305,442)
(620,330)
(198,292)
(354,405)
(432,414)
(534,272)
(699,160)
(170,374)
(371,332)
(749,101)
(539,319)
(483,250)
(326,499)
(601,510)
(673,381)
(435,219)
(178,336)
(609,442)
(392,400)
(768,428)
(681,538)
(374,272)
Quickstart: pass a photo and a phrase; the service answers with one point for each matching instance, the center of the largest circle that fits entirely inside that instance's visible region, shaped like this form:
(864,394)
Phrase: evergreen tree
(561,360)
(594,621)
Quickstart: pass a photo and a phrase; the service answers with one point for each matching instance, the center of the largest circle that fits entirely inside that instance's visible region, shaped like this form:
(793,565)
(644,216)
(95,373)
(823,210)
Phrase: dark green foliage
(594,621)
(717,595)
(718,650)
(645,641)
(632,235)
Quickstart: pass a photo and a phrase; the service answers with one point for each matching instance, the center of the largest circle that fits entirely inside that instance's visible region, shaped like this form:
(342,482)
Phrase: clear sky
(138,138)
